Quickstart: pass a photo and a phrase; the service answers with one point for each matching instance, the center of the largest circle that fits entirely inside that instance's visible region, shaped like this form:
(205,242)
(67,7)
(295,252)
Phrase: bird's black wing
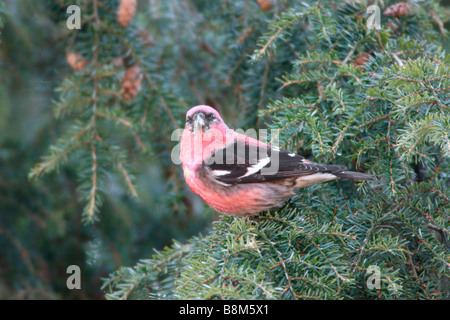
(240,162)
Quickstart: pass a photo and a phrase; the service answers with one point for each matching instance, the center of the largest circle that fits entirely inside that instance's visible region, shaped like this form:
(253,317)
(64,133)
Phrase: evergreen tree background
(86,176)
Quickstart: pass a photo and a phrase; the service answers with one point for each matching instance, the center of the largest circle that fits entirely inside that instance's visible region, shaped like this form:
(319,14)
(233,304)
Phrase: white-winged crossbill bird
(239,175)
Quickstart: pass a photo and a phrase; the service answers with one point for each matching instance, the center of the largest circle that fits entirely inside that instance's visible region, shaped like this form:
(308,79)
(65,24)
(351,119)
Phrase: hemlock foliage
(102,191)
(387,116)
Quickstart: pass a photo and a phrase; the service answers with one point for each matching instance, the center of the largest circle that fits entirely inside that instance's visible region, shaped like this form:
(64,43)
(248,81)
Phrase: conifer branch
(91,208)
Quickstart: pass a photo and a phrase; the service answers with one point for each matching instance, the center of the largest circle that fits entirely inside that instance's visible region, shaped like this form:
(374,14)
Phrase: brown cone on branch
(126,12)
(132,82)
(397,10)
(265,5)
(245,34)
(76,61)
(361,59)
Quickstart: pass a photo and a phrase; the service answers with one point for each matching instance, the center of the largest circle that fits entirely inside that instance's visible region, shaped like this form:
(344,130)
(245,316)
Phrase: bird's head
(205,132)
(201,119)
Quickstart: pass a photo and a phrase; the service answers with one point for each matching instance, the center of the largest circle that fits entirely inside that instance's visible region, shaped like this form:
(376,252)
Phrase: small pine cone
(132,82)
(361,59)
(397,10)
(76,61)
(265,5)
(248,31)
(245,34)
(126,12)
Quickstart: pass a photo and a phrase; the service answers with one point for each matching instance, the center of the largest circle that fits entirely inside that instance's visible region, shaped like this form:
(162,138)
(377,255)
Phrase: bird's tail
(354,175)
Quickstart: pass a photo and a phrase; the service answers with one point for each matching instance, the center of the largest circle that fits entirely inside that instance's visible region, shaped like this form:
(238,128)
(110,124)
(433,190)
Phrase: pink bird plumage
(239,175)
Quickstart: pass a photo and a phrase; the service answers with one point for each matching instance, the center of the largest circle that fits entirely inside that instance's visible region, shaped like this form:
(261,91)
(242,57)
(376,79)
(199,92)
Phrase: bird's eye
(211,117)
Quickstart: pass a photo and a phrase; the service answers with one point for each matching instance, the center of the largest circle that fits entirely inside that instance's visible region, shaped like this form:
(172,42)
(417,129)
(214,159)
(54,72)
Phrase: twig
(94,188)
